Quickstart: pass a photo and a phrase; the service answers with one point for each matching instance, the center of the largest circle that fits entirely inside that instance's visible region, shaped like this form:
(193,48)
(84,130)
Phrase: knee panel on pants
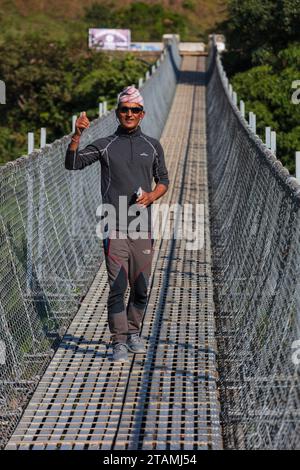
(115,303)
(140,291)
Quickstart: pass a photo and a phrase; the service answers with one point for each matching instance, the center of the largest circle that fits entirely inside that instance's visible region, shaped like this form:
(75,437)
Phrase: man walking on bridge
(130,160)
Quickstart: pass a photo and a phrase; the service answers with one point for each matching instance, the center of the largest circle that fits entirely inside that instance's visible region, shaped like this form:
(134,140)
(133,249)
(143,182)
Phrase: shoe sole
(120,360)
(135,352)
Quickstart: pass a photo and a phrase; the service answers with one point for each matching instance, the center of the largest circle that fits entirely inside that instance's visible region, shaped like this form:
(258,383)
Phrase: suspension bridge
(221,323)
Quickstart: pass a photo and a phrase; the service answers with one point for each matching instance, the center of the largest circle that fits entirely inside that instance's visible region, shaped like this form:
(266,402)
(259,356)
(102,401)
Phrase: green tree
(256,29)
(101,15)
(48,81)
(147,22)
(267,91)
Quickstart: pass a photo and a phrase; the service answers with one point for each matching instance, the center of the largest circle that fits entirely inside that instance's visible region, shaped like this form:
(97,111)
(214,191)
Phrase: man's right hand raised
(81,123)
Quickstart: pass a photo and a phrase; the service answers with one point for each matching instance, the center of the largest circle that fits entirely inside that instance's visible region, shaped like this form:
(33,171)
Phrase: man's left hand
(145,199)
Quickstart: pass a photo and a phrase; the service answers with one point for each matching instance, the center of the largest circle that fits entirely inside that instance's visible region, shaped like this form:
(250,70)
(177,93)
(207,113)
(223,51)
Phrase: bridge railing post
(100,109)
(297,156)
(273,142)
(41,206)
(74,118)
(234,98)
(252,121)
(43,137)
(30,142)
(268,137)
(29,181)
(242,108)
(2,92)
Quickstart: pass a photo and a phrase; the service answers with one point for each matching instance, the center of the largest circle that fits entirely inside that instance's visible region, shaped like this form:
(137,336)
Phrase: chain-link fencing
(49,251)
(256,243)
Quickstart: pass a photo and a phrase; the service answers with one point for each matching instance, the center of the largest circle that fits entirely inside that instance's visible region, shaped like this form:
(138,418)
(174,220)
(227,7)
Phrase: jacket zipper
(131,149)
(75,154)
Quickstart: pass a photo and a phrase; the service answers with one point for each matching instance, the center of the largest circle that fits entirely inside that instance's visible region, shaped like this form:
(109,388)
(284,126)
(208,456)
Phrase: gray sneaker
(135,344)
(120,353)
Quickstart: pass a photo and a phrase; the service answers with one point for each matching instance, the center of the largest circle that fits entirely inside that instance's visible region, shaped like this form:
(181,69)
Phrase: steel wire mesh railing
(256,244)
(49,254)
(49,250)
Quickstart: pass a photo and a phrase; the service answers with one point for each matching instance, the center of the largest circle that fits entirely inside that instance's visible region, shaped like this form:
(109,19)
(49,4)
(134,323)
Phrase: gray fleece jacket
(128,161)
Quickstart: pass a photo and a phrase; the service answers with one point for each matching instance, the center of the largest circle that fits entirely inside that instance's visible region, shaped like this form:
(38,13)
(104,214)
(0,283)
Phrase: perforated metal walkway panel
(167,398)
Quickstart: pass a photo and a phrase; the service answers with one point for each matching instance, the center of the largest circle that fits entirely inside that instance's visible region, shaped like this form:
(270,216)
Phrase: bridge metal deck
(167,398)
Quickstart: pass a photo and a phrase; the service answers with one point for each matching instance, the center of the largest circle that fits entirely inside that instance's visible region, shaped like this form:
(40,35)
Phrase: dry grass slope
(205,13)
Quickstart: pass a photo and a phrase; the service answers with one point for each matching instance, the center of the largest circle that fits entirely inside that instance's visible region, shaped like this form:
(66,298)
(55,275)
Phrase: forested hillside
(49,72)
(61,17)
(263,60)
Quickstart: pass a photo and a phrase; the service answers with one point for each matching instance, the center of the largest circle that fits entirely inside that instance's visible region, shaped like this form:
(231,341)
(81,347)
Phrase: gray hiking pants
(127,260)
